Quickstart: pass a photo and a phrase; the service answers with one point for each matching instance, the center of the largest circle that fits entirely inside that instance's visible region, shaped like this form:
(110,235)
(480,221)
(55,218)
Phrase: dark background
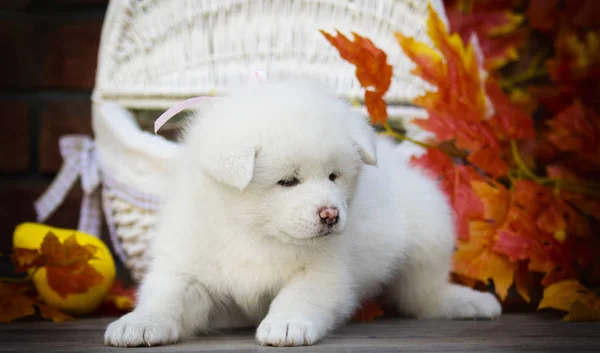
(47,72)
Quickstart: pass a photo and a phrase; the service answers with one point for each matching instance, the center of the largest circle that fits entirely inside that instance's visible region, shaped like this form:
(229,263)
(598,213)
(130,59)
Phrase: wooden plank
(512,333)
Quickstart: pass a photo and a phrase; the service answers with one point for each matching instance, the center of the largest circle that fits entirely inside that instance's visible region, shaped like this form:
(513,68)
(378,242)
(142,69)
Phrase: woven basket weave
(154,53)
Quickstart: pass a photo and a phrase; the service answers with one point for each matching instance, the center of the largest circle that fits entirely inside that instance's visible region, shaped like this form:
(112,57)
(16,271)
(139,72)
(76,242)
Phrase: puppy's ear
(232,163)
(363,135)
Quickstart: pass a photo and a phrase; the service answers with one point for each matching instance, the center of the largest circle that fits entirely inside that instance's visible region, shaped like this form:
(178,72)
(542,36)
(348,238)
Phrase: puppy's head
(289,154)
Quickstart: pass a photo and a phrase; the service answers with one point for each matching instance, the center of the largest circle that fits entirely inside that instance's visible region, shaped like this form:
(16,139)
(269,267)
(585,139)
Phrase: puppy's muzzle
(329,215)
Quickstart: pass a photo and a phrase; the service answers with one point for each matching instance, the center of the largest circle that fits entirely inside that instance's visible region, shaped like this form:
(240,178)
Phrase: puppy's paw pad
(134,330)
(474,306)
(287,333)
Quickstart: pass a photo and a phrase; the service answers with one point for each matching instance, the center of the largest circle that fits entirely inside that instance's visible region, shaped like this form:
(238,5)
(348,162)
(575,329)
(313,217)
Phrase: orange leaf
(576,129)
(50,313)
(523,281)
(372,70)
(123,299)
(430,65)
(369,310)
(475,259)
(495,200)
(490,161)
(496,27)
(14,303)
(376,107)
(569,295)
(509,120)
(67,267)
(24,259)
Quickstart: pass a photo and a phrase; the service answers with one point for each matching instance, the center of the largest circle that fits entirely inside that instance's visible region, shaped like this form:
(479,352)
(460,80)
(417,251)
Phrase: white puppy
(273,220)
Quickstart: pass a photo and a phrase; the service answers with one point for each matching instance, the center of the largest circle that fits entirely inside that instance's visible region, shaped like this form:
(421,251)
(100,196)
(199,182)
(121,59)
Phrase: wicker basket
(154,53)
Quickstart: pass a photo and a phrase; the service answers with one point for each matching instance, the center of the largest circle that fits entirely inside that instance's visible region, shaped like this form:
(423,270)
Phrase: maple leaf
(576,59)
(490,161)
(476,259)
(576,129)
(25,259)
(66,264)
(458,79)
(14,303)
(372,70)
(18,300)
(572,297)
(509,121)
(50,313)
(496,27)
(369,310)
(376,107)
(123,299)
(523,281)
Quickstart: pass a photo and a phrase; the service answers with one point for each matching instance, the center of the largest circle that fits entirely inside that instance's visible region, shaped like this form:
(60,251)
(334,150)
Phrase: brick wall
(47,71)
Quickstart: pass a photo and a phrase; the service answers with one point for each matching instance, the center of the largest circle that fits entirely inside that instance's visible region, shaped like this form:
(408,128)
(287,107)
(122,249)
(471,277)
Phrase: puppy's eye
(289,182)
(332,177)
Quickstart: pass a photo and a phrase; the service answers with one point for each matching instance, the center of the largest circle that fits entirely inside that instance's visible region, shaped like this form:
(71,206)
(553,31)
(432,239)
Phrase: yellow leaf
(571,296)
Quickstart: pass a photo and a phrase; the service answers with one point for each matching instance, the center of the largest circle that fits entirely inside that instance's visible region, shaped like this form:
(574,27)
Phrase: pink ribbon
(257,76)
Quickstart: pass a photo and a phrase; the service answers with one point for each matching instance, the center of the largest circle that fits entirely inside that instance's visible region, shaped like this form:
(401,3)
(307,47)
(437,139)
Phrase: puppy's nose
(329,215)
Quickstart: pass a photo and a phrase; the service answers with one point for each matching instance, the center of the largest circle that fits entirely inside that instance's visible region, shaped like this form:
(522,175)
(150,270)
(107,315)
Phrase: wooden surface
(512,333)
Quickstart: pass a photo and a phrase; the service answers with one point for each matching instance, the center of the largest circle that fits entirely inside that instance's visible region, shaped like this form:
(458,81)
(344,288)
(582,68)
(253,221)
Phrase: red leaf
(372,70)
(576,129)
(376,107)
(490,161)
(14,302)
(509,121)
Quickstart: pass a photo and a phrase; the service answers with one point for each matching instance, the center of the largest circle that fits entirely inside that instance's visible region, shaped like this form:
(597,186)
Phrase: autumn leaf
(576,129)
(25,259)
(369,310)
(523,281)
(14,302)
(476,259)
(372,70)
(576,58)
(50,313)
(490,161)
(495,199)
(376,107)
(496,26)
(509,121)
(123,299)
(572,297)
(66,264)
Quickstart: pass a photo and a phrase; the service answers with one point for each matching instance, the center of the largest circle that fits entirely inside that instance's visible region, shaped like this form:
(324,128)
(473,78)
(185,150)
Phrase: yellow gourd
(31,235)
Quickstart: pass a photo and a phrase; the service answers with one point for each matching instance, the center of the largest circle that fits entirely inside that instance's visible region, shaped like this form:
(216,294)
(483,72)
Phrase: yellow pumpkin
(31,235)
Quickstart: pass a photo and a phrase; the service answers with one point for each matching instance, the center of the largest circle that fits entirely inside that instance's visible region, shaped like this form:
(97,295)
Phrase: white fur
(235,248)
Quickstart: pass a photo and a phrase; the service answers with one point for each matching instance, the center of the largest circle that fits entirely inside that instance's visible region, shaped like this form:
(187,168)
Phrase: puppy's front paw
(472,305)
(284,333)
(135,329)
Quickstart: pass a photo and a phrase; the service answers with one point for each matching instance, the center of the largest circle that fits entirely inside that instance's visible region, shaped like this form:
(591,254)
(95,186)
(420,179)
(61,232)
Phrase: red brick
(58,119)
(14,137)
(23,40)
(46,55)
(72,56)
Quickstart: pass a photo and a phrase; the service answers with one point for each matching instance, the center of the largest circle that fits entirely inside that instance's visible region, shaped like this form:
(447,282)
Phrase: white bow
(79,162)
